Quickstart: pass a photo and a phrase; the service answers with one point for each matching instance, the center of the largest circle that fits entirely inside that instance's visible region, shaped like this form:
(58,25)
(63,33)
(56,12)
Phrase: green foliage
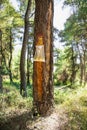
(74,38)
(59,96)
(16,65)
(75,107)
(12,21)
(61,73)
(10,99)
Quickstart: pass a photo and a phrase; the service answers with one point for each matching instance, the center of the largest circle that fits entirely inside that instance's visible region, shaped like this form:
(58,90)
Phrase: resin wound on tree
(39,52)
(39,59)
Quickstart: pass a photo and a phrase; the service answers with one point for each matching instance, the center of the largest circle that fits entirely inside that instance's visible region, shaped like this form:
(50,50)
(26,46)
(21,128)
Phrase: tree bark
(73,73)
(84,62)
(10,60)
(23,52)
(28,64)
(1,86)
(81,65)
(42,75)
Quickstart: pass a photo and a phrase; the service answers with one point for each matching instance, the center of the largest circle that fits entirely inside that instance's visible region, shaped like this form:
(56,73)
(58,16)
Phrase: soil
(26,121)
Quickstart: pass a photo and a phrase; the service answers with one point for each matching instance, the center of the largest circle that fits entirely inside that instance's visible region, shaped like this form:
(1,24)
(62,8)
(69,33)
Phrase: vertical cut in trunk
(42,76)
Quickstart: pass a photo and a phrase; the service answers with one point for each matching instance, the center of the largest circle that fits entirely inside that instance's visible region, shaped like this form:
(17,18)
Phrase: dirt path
(25,121)
(47,123)
(53,122)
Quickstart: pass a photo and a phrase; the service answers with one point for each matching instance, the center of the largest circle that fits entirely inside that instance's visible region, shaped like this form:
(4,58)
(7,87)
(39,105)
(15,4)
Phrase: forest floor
(70,112)
(56,121)
(26,121)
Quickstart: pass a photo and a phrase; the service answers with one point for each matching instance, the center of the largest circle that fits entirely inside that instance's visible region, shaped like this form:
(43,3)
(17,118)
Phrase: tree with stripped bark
(43,68)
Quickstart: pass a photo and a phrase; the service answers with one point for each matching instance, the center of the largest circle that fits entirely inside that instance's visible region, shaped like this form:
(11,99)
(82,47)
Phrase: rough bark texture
(23,52)
(42,76)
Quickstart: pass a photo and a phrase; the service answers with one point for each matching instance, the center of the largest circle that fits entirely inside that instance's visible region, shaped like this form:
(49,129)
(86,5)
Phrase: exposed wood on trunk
(43,80)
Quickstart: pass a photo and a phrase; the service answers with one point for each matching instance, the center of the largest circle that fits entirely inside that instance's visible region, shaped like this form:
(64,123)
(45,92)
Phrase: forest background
(70,62)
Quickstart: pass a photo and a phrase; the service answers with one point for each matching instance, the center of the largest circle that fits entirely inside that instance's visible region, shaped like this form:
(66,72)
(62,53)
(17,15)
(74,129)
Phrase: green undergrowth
(61,94)
(11,100)
(73,103)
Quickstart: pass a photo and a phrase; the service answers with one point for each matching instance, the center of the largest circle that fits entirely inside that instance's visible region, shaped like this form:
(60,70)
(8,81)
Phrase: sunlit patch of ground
(53,122)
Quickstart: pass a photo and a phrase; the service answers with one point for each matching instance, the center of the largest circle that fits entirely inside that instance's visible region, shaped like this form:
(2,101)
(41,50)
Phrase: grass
(72,103)
(11,100)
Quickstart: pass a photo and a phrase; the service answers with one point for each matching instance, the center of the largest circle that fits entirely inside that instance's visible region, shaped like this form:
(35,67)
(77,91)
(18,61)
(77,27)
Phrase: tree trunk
(85,67)
(42,75)
(73,73)
(84,63)
(1,86)
(81,65)
(81,73)
(28,65)
(10,60)
(23,52)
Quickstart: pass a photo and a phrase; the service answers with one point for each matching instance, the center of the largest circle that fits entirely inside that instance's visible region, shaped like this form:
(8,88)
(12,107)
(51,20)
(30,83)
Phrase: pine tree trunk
(42,76)
(10,60)
(73,73)
(28,65)
(84,67)
(84,63)
(81,65)
(81,70)
(1,86)
(23,52)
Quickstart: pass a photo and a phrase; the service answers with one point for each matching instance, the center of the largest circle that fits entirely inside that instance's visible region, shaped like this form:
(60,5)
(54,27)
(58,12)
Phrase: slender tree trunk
(23,52)
(42,76)
(81,74)
(84,67)
(10,60)
(81,65)
(1,86)
(84,63)
(28,66)
(73,73)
